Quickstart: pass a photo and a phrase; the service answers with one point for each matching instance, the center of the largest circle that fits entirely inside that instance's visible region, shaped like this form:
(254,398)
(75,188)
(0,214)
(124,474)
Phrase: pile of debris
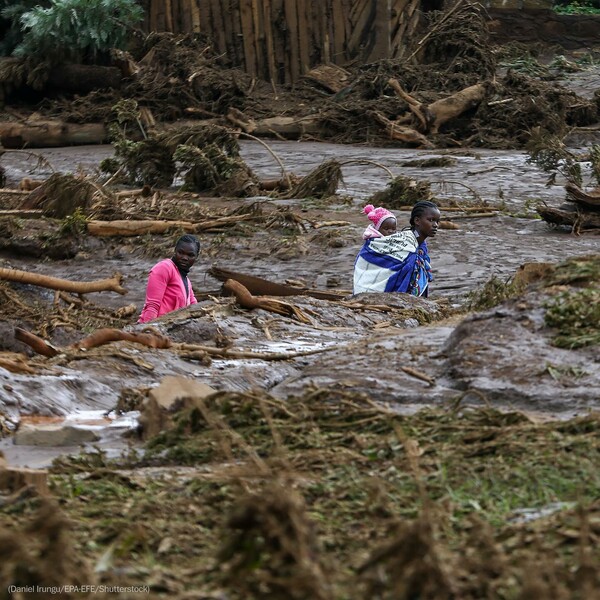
(446,93)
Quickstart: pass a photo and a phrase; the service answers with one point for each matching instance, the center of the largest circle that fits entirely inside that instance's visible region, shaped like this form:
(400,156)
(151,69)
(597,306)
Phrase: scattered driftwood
(197,352)
(281,127)
(263,287)
(587,200)
(431,117)
(36,343)
(246,300)
(419,375)
(288,127)
(96,339)
(581,212)
(331,77)
(107,335)
(573,218)
(24,213)
(12,192)
(448,225)
(455,105)
(130,228)
(45,133)
(400,132)
(75,287)
(477,215)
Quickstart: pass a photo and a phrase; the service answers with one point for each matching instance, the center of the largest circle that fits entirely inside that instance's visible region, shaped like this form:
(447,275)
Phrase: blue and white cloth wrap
(395,263)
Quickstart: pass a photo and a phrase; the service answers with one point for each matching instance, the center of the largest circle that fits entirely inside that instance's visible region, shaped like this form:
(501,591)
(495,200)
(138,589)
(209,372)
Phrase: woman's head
(382,219)
(187,249)
(425,219)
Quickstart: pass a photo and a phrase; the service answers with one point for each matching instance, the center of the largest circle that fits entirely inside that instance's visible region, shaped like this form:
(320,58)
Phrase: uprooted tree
(582,210)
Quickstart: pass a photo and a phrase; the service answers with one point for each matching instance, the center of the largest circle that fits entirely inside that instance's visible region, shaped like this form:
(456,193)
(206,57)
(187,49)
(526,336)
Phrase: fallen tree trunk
(36,343)
(263,287)
(98,338)
(589,199)
(576,220)
(83,79)
(46,133)
(287,127)
(22,213)
(431,117)
(400,132)
(246,300)
(64,285)
(107,335)
(129,228)
(449,108)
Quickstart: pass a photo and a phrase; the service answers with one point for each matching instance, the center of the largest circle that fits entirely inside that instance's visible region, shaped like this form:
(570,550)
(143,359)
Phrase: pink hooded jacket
(165,291)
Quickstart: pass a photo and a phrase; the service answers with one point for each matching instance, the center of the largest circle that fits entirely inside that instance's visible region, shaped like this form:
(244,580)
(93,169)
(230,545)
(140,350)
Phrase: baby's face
(388,227)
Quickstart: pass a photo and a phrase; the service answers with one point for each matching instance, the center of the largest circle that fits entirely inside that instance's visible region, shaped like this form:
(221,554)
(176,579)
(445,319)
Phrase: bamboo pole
(259,35)
(248,37)
(268,25)
(291,18)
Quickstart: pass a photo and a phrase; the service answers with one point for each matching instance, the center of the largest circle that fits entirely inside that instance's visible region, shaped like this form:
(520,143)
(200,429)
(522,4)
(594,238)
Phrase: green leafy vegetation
(576,7)
(494,292)
(549,153)
(576,315)
(70,30)
(11,33)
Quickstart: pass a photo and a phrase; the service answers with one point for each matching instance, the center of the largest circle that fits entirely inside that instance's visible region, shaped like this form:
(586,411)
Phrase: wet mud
(372,446)
(464,259)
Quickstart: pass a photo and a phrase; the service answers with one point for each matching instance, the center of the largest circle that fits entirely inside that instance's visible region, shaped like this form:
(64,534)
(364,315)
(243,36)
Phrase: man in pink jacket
(169,287)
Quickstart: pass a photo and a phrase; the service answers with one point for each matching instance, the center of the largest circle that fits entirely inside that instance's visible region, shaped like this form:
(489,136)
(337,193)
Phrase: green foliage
(75,30)
(148,161)
(585,7)
(74,224)
(548,152)
(576,315)
(206,167)
(494,292)
(11,34)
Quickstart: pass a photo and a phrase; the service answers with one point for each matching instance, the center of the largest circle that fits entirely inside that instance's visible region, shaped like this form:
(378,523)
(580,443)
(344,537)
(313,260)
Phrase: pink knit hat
(378,215)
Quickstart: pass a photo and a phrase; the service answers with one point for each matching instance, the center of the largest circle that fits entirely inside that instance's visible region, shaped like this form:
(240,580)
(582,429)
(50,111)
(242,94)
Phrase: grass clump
(494,291)
(402,191)
(330,496)
(576,315)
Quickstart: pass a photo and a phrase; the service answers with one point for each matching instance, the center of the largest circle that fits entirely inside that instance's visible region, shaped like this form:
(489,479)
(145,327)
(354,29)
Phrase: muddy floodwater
(462,259)
(500,367)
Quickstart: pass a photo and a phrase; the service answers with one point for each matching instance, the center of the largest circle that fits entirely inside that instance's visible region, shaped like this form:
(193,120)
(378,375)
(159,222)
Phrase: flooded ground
(375,446)
(464,259)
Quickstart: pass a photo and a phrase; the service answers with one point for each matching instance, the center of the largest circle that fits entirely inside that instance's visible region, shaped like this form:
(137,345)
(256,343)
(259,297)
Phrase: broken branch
(76,287)
(246,300)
